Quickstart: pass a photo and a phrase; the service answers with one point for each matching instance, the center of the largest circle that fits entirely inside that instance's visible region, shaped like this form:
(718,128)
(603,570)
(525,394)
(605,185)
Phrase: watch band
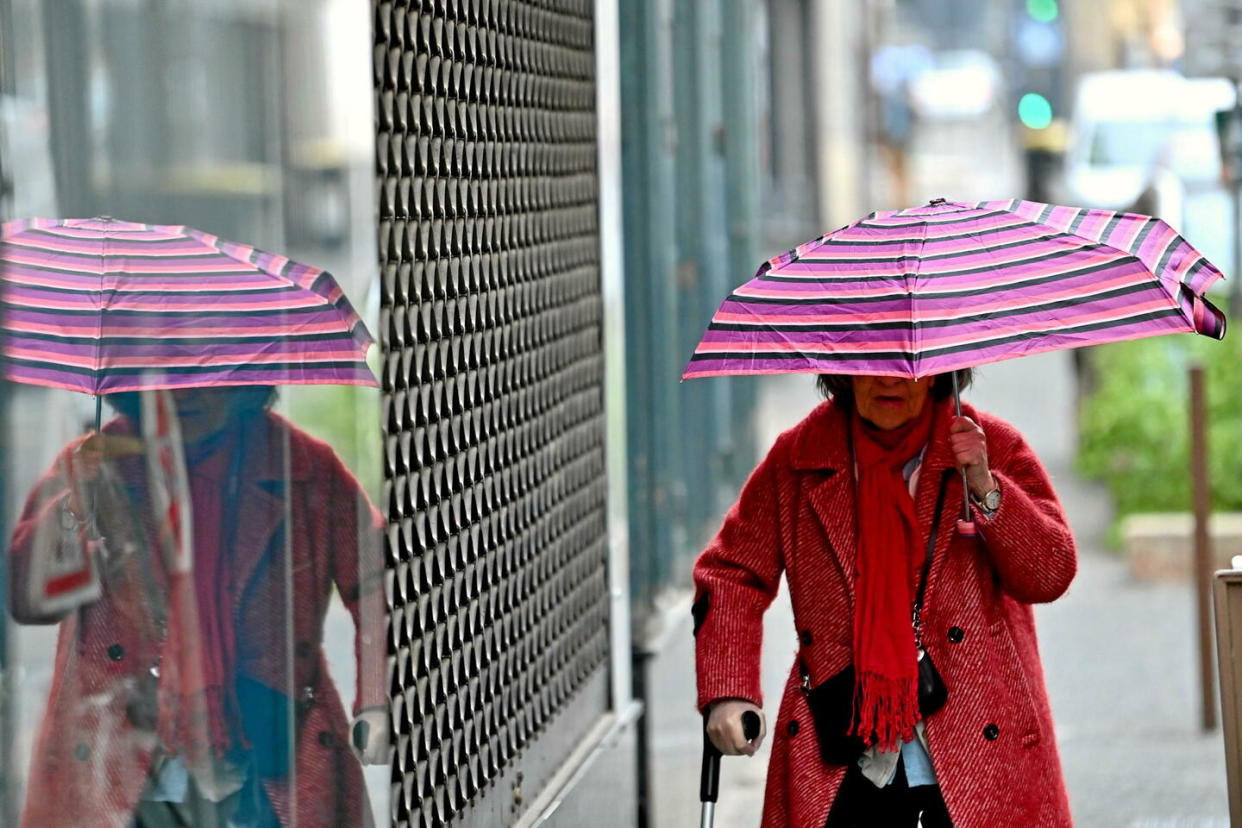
(989,504)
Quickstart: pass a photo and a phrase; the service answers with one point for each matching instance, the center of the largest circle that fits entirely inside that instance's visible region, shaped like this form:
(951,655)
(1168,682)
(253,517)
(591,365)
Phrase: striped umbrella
(102,306)
(949,285)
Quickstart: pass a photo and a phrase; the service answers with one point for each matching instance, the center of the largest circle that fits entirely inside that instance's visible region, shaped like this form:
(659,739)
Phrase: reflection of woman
(210,704)
(844,504)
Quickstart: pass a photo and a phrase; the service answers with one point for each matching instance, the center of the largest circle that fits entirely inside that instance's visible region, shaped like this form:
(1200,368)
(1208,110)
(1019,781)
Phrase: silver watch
(990,502)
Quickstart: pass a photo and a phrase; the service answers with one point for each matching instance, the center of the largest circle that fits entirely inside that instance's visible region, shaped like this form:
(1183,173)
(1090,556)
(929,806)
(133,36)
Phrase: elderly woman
(858,506)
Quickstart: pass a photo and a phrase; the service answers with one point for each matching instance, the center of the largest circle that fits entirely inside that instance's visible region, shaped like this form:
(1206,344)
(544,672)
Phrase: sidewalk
(1119,655)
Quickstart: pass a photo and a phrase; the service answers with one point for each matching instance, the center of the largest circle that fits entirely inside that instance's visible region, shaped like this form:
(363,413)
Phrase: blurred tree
(1134,433)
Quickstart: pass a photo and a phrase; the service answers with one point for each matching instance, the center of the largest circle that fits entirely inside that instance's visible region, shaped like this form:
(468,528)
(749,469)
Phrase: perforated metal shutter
(492,379)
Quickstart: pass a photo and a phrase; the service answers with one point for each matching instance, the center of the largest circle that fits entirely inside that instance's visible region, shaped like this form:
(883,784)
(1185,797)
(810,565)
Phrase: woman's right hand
(724,727)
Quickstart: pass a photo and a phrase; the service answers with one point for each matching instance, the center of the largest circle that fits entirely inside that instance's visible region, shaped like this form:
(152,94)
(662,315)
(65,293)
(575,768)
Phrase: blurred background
(725,132)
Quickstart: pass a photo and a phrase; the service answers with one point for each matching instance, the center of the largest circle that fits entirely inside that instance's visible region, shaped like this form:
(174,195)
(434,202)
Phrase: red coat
(796,515)
(91,762)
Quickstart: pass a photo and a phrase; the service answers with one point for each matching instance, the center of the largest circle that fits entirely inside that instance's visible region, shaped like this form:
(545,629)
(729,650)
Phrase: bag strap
(927,558)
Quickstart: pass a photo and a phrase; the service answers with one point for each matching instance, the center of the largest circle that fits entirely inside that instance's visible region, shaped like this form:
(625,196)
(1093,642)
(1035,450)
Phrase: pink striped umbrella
(101,306)
(949,285)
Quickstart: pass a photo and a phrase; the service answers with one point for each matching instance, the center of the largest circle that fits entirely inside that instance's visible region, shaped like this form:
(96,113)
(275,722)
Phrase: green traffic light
(1034,111)
(1045,11)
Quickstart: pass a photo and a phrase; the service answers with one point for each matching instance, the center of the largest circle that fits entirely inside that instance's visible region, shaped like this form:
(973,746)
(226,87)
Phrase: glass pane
(197,578)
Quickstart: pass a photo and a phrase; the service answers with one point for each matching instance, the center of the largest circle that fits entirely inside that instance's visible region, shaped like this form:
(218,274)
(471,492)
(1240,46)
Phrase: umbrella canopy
(950,285)
(102,306)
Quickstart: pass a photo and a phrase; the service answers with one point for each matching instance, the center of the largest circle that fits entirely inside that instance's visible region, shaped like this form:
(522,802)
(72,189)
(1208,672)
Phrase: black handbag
(832,701)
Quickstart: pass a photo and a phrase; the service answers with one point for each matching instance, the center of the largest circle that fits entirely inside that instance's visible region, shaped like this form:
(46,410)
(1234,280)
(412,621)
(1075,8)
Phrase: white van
(1120,127)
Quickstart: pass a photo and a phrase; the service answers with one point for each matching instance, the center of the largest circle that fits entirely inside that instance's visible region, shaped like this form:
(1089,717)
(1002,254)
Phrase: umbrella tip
(936,201)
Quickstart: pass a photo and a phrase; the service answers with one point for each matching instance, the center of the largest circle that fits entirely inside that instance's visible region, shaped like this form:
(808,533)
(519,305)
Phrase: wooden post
(1202,496)
(1228,591)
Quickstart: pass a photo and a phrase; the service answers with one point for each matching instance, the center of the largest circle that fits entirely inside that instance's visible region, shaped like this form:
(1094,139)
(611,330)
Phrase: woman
(843,504)
(199,694)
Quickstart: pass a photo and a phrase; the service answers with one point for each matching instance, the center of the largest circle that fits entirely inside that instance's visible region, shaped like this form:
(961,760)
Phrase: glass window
(196,593)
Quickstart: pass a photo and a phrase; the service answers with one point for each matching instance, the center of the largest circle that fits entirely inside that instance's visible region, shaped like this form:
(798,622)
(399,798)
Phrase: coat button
(306,697)
(806,638)
(116,652)
(956,634)
(303,649)
(991,732)
(792,727)
(326,738)
(82,751)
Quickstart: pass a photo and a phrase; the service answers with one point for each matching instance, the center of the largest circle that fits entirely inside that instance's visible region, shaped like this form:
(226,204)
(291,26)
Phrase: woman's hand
(724,727)
(370,735)
(970,449)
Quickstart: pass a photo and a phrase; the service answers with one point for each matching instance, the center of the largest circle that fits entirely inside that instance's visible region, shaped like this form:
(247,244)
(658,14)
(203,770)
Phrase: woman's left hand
(970,449)
(370,735)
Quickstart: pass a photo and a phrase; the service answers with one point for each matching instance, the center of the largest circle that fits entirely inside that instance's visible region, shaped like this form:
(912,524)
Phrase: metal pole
(966,525)
(709,780)
(1202,496)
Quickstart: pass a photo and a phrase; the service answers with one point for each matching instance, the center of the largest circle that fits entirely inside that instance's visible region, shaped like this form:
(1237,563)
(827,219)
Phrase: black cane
(709,779)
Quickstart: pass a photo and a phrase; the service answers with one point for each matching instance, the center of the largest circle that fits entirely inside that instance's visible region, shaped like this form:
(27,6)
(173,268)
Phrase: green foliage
(347,418)
(1135,427)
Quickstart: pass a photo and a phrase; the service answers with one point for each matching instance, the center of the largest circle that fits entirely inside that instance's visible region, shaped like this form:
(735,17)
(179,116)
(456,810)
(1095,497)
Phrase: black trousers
(860,804)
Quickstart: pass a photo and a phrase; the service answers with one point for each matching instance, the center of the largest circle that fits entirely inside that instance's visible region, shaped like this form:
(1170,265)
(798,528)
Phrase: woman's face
(202,412)
(890,402)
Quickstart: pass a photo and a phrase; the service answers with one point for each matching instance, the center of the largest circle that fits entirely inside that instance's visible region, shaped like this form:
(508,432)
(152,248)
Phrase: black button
(116,652)
(991,732)
(326,738)
(806,638)
(956,634)
(303,649)
(792,727)
(82,751)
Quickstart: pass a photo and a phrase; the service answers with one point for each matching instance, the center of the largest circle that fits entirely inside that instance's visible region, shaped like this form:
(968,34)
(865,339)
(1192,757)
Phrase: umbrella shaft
(957,406)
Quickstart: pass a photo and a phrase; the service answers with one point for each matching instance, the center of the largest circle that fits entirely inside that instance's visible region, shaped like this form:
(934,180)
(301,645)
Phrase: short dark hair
(840,387)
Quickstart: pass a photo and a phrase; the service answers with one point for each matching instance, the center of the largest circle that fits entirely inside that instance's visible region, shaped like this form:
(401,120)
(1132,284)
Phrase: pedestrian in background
(849,504)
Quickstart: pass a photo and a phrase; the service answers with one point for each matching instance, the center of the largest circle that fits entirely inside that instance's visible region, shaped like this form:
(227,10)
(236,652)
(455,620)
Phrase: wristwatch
(989,503)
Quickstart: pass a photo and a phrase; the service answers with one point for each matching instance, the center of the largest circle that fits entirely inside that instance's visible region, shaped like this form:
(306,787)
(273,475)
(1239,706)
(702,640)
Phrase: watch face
(67,520)
(991,500)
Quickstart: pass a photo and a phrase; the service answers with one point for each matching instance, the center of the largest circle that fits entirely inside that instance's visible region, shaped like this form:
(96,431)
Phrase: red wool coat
(796,515)
(91,762)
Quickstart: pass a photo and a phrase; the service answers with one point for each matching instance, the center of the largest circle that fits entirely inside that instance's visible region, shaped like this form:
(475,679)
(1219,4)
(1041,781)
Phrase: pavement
(1119,655)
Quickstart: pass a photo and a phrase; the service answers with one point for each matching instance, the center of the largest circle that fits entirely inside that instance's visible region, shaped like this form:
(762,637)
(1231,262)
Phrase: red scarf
(198,707)
(890,559)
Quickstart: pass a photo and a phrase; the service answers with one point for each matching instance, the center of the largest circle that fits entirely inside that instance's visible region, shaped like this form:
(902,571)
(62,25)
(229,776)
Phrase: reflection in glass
(189,551)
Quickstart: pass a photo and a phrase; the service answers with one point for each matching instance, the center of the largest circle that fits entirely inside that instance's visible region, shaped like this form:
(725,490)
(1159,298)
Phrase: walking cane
(709,779)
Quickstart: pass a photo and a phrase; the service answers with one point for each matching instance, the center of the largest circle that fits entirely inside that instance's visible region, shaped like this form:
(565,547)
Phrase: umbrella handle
(965,526)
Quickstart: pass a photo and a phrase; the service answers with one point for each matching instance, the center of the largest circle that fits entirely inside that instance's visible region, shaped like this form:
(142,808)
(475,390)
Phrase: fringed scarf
(890,558)
(198,707)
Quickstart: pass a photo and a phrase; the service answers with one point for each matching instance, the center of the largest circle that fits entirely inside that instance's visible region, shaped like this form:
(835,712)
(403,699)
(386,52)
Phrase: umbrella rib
(915,334)
(103,275)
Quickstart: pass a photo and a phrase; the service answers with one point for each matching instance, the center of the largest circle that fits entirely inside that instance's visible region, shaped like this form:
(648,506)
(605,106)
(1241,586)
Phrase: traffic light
(1034,111)
(1043,11)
